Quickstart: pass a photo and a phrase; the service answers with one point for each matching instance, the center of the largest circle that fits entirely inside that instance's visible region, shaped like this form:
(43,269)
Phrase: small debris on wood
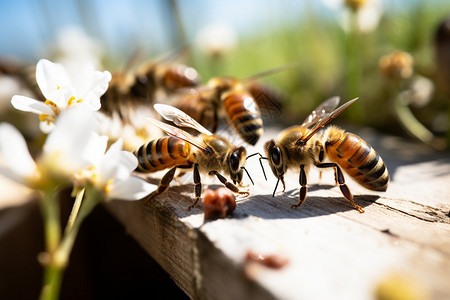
(218,204)
(254,261)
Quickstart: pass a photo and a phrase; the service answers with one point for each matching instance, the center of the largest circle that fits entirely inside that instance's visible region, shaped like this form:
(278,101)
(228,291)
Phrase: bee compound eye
(240,175)
(276,156)
(234,162)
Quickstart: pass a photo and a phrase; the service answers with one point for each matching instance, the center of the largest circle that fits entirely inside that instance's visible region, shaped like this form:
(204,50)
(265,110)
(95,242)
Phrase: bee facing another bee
(299,147)
(206,153)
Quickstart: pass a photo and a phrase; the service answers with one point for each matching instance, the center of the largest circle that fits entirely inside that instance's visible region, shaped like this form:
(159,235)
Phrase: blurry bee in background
(206,153)
(241,100)
(130,91)
(298,147)
(24,74)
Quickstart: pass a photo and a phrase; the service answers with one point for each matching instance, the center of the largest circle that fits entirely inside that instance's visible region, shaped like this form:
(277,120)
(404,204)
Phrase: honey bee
(241,100)
(298,147)
(206,153)
(130,91)
(24,74)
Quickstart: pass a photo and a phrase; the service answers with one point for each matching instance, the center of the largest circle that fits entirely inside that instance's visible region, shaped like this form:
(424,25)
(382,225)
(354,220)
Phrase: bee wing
(270,72)
(180,133)
(321,111)
(173,55)
(179,117)
(327,118)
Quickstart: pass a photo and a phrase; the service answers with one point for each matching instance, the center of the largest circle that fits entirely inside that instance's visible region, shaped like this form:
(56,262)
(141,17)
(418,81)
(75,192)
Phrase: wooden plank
(333,250)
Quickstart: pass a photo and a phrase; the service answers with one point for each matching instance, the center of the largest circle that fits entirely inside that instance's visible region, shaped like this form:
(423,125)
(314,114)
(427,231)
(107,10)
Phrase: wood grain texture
(333,250)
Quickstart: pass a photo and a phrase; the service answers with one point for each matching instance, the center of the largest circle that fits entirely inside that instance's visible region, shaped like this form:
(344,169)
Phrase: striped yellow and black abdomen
(244,115)
(359,160)
(162,153)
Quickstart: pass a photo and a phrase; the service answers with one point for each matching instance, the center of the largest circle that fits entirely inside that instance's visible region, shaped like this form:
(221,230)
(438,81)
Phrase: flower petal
(95,84)
(66,145)
(109,163)
(14,150)
(127,164)
(8,173)
(51,77)
(133,188)
(95,148)
(46,127)
(30,105)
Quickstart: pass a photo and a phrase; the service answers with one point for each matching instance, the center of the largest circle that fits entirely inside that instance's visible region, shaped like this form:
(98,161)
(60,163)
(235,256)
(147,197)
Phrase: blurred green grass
(325,54)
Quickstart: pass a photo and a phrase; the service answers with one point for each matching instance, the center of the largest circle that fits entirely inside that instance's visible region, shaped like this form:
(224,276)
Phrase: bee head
(275,157)
(236,164)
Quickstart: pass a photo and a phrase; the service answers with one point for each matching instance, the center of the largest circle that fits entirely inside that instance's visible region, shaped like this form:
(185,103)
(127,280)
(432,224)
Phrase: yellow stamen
(55,109)
(72,100)
(46,118)
(50,103)
(43,117)
(69,103)
(108,186)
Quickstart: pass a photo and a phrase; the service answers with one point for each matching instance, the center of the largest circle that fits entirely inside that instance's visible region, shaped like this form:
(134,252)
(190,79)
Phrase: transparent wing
(327,118)
(321,112)
(180,133)
(179,118)
(269,72)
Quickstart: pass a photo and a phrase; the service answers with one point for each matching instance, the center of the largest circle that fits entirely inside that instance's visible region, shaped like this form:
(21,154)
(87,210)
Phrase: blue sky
(28,27)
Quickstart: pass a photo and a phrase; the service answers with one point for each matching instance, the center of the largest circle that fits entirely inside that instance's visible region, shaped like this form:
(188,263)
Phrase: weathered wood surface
(334,251)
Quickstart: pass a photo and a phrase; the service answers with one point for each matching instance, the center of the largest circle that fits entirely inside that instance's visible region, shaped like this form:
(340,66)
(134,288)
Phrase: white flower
(133,135)
(20,166)
(71,147)
(62,92)
(73,47)
(216,39)
(367,12)
(111,174)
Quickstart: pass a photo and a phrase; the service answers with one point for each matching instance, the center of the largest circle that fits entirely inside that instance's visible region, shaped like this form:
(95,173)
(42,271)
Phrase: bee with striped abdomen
(298,147)
(129,91)
(206,153)
(241,100)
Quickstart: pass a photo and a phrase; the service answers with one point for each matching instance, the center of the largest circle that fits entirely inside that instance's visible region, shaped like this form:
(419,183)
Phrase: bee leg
(215,119)
(303,188)
(284,184)
(163,184)
(321,157)
(341,181)
(228,184)
(197,187)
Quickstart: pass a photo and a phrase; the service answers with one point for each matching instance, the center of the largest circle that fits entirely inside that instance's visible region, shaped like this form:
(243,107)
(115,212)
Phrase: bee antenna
(248,174)
(273,195)
(260,162)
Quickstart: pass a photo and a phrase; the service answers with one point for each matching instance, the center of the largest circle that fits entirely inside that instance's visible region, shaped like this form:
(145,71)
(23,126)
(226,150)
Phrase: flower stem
(75,209)
(52,282)
(52,227)
(409,121)
(92,198)
(52,235)
(57,258)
